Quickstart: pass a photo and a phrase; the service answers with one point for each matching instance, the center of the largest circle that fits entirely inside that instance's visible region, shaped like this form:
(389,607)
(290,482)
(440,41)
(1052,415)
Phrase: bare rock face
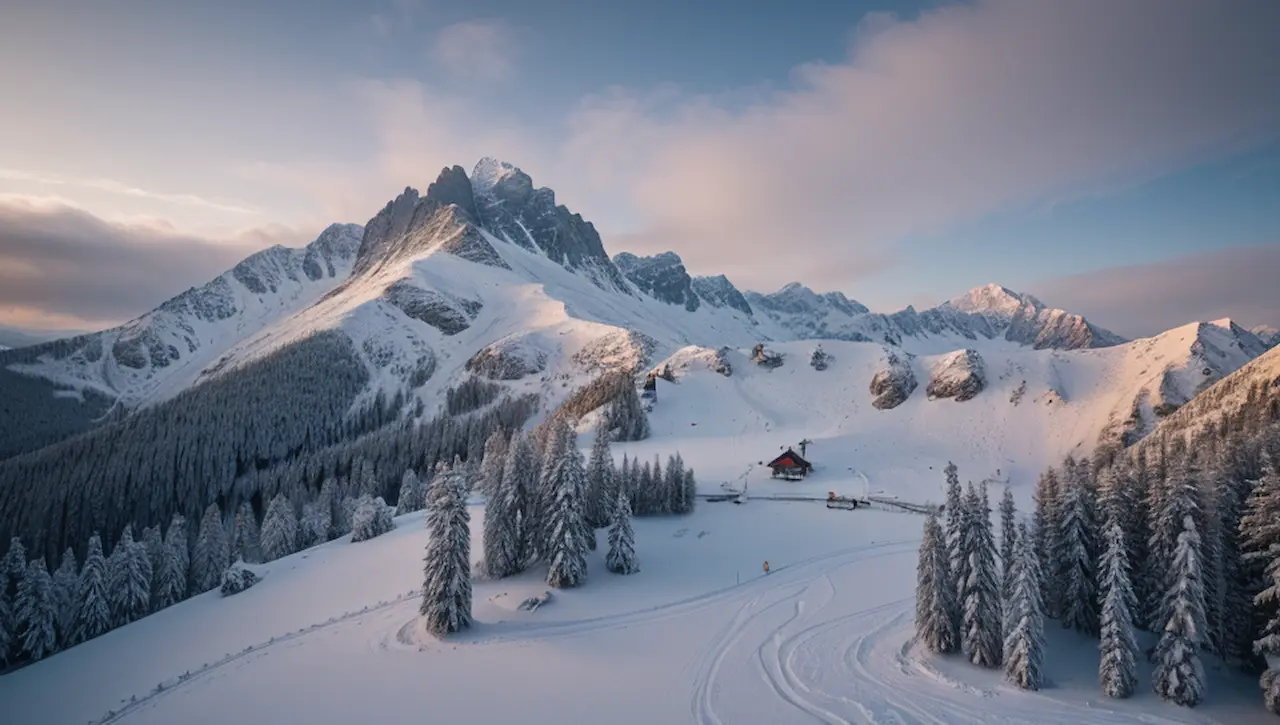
(510,358)
(960,375)
(894,383)
(446,313)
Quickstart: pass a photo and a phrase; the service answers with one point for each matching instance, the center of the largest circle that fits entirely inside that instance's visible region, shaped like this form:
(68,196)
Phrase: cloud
(965,111)
(476,50)
(118,187)
(61,266)
(1142,300)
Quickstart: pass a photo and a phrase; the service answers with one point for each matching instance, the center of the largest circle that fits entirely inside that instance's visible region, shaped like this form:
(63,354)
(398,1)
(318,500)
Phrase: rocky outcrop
(893,383)
(662,277)
(448,314)
(718,291)
(623,350)
(511,209)
(510,358)
(960,375)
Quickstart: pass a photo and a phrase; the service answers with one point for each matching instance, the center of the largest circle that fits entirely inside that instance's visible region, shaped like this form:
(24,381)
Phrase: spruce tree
(36,610)
(954,512)
(14,568)
(8,629)
(1117,670)
(246,546)
(211,552)
(412,495)
(313,527)
(1176,498)
(1024,642)
(690,491)
(1048,513)
(446,588)
(658,488)
(1008,542)
(621,558)
(601,482)
(980,597)
(520,477)
(171,578)
(94,615)
(502,526)
(567,546)
(66,581)
(1179,674)
(937,617)
(1075,560)
(279,529)
(493,463)
(129,576)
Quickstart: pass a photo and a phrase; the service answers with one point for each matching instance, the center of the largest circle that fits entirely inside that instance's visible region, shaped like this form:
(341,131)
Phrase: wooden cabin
(650,391)
(790,466)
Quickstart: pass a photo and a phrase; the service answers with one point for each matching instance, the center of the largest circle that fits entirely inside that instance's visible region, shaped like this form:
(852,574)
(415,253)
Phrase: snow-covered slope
(159,354)
(1269,335)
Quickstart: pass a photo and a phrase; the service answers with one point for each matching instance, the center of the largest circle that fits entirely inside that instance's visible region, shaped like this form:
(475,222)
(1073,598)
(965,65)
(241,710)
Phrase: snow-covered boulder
(621,350)
(237,579)
(510,358)
(893,383)
(960,375)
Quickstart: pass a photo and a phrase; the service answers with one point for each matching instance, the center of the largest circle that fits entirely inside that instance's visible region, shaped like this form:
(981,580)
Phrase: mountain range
(485,273)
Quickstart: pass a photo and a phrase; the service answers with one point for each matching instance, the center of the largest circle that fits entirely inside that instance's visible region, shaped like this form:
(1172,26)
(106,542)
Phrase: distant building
(790,466)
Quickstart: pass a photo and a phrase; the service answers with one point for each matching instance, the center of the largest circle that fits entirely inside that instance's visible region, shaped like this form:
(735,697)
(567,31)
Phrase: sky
(1121,160)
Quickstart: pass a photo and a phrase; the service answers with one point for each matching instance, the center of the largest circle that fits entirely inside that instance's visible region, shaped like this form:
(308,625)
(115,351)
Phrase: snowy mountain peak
(490,172)
(1267,334)
(991,298)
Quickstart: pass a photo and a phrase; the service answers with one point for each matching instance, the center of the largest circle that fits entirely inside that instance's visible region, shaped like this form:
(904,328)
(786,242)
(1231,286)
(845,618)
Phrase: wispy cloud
(477,50)
(113,186)
(1140,300)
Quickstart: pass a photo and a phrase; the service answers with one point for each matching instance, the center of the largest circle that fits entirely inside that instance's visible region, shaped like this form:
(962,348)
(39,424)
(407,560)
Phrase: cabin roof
(795,459)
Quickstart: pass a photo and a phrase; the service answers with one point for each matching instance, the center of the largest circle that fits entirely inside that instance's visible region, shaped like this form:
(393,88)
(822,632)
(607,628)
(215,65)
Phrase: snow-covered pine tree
(1024,643)
(690,491)
(1231,628)
(520,477)
(37,611)
(129,579)
(446,587)
(542,502)
(1046,519)
(154,544)
(954,513)
(8,627)
(331,498)
(1176,498)
(171,578)
(1260,534)
(980,597)
(1075,559)
(279,529)
(371,519)
(621,558)
(624,481)
(502,527)
(412,495)
(673,484)
(365,479)
(14,567)
(1179,674)
(1117,670)
(94,598)
(313,526)
(601,482)
(1008,542)
(211,552)
(493,462)
(658,488)
(937,617)
(246,545)
(65,582)
(567,546)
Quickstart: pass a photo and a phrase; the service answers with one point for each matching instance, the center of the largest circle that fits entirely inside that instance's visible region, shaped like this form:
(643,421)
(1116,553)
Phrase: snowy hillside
(826,636)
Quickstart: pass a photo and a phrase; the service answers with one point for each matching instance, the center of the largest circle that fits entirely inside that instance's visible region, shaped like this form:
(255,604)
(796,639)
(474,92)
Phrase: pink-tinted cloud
(966,111)
(1141,300)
